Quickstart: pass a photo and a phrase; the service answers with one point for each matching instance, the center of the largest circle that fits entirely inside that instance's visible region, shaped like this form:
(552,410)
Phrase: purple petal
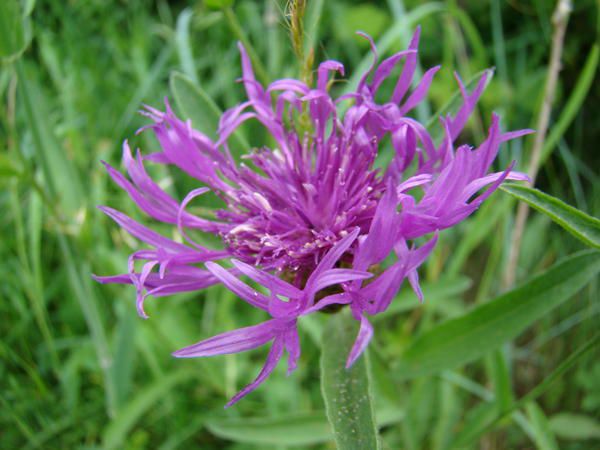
(331,257)
(271,282)
(408,71)
(272,359)
(334,299)
(420,91)
(332,277)
(239,288)
(365,333)
(385,222)
(292,346)
(140,232)
(323,73)
(235,341)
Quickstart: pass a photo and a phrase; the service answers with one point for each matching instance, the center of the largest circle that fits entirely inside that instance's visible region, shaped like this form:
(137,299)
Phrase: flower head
(308,217)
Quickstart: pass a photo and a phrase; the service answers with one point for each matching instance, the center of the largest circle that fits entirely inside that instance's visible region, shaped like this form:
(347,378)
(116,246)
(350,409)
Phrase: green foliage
(12,30)
(492,324)
(79,369)
(583,227)
(575,426)
(285,430)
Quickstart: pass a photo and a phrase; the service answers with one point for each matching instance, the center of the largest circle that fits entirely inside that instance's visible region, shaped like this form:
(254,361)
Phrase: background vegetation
(80,370)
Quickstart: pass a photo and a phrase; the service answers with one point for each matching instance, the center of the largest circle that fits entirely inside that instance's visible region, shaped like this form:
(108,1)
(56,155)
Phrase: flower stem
(347,392)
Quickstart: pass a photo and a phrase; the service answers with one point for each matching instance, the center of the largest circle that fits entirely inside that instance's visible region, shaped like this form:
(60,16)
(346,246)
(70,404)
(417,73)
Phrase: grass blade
(542,434)
(573,105)
(116,431)
(489,422)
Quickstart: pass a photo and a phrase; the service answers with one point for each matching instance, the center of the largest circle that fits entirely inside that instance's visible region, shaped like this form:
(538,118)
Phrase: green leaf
(8,167)
(575,426)
(583,227)
(122,369)
(488,326)
(347,395)
(301,429)
(12,30)
(195,104)
(290,430)
(62,177)
(542,434)
(479,429)
(115,433)
(182,43)
(218,4)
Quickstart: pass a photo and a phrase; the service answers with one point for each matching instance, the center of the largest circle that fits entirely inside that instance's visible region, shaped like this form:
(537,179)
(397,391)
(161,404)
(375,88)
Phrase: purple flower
(314,220)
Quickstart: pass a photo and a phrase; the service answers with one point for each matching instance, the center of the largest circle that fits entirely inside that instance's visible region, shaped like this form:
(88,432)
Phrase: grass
(80,370)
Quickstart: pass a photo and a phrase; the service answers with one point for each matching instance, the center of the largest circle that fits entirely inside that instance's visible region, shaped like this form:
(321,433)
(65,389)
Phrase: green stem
(347,392)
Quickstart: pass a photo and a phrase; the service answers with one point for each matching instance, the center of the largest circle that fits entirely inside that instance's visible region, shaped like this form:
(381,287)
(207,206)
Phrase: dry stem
(560,19)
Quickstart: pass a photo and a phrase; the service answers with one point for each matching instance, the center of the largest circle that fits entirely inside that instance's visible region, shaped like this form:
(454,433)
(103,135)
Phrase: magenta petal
(385,222)
(403,84)
(334,299)
(323,73)
(292,346)
(420,91)
(141,232)
(272,359)
(335,253)
(238,287)
(308,209)
(234,341)
(365,333)
(271,282)
(332,277)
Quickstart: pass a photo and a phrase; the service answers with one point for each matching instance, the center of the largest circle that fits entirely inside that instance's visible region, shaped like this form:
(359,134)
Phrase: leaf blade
(490,325)
(300,429)
(583,227)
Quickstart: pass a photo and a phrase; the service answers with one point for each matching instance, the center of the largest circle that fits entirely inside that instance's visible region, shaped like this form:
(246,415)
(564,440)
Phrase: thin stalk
(559,20)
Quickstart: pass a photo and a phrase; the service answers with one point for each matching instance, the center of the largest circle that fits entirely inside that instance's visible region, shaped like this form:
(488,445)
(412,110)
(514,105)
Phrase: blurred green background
(80,370)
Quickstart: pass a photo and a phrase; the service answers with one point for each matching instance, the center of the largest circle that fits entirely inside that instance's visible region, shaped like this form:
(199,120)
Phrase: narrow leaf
(289,430)
(542,434)
(195,103)
(488,326)
(61,175)
(575,426)
(12,31)
(346,392)
(301,429)
(182,43)
(583,227)
(116,432)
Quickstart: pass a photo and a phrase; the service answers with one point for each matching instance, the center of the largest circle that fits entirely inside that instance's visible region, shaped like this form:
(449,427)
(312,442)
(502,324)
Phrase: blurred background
(80,370)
